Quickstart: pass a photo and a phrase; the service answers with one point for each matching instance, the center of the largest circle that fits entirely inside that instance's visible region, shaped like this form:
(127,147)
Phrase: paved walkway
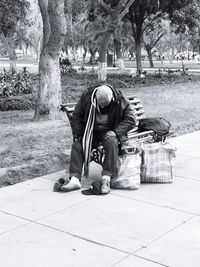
(157,225)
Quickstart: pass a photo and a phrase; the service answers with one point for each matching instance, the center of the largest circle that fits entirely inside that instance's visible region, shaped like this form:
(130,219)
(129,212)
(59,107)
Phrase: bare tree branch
(126,8)
(158,39)
(106,7)
(150,22)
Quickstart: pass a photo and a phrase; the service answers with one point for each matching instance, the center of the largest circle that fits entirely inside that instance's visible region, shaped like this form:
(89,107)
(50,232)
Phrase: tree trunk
(92,60)
(138,47)
(148,48)
(10,47)
(38,49)
(49,98)
(118,49)
(13,66)
(84,54)
(49,95)
(74,54)
(102,73)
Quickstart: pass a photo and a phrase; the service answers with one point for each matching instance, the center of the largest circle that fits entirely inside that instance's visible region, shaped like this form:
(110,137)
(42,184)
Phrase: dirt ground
(29,149)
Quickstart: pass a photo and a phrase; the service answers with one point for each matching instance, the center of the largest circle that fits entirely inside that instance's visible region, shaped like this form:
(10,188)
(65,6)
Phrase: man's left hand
(109,134)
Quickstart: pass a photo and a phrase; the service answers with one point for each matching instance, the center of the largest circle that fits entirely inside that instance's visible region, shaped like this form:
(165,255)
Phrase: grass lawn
(30,149)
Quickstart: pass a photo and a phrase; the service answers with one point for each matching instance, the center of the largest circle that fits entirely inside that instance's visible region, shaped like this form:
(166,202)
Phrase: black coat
(121,115)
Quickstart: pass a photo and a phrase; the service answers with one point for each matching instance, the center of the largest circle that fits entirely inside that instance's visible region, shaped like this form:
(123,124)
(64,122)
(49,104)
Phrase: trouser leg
(111,162)
(76,160)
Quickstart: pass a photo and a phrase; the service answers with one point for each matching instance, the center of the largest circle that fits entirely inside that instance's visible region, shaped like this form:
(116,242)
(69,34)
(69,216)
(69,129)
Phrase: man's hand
(109,134)
(78,138)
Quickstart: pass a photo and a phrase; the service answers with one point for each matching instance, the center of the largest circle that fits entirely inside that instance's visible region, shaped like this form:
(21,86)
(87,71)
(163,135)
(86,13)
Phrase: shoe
(95,189)
(72,184)
(57,186)
(105,186)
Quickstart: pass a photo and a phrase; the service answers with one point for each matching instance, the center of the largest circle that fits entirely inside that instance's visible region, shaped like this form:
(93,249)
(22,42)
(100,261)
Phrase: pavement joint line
(179,164)
(62,231)
(143,258)
(50,214)
(15,228)
(187,178)
(158,205)
(191,157)
(17,216)
(119,261)
(12,229)
(82,238)
(69,207)
(162,235)
(156,262)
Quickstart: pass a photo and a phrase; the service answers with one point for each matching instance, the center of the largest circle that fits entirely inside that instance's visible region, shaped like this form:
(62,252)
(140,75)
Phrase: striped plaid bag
(157,161)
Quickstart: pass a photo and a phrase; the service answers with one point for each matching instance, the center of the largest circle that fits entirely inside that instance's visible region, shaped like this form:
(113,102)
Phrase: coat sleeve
(78,124)
(128,121)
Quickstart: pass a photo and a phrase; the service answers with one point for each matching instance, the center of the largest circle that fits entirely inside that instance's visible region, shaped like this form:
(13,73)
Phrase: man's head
(104,96)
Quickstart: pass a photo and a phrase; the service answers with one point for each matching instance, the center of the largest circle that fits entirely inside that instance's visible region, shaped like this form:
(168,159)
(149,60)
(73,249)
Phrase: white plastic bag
(129,173)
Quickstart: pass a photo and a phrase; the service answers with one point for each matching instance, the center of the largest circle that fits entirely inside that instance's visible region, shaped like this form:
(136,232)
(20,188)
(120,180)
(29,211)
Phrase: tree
(152,36)
(142,15)
(54,29)
(111,13)
(34,38)
(172,43)
(77,35)
(187,21)
(12,14)
(34,32)
(143,11)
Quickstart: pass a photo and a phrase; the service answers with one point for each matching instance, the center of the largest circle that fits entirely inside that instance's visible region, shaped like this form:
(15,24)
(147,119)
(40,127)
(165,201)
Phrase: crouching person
(102,114)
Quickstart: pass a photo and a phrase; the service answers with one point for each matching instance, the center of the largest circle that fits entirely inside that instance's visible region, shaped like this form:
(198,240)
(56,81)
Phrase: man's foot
(71,185)
(105,185)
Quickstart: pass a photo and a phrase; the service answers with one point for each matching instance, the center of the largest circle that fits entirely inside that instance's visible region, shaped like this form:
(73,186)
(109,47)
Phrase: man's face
(104,103)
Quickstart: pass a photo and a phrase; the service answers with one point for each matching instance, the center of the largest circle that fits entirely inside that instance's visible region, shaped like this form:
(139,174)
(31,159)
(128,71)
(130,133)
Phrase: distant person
(102,114)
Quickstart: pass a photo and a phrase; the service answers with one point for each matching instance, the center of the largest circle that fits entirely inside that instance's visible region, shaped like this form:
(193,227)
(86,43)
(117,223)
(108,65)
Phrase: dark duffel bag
(160,126)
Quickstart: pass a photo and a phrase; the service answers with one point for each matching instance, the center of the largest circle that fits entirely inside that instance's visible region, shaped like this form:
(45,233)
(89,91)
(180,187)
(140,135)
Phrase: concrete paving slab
(187,147)
(35,199)
(137,262)
(35,245)
(189,169)
(187,138)
(8,222)
(178,248)
(182,194)
(181,159)
(116,221)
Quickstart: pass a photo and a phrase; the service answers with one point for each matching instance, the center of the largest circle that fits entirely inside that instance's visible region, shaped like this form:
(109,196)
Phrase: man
(103,115)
